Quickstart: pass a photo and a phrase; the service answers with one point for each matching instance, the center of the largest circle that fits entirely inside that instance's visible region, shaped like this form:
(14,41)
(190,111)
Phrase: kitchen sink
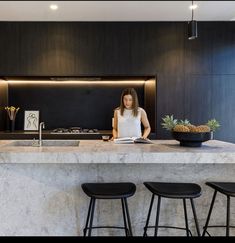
(45,143)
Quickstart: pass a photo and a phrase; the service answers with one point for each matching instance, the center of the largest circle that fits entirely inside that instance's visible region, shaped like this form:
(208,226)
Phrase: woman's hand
(146,124)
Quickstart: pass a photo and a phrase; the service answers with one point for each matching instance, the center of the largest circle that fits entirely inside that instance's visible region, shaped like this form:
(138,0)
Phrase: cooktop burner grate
(75,130)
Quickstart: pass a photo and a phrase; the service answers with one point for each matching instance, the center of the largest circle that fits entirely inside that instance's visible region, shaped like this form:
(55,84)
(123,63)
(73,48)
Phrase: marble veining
(96,151)
(41,191)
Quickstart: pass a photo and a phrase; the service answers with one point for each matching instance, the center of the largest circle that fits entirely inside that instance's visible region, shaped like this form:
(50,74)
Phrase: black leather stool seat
(109,190)
(114,190)
(227,188)
(174,190)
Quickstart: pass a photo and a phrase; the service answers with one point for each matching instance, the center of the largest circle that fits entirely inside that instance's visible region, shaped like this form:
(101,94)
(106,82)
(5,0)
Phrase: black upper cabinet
(64,49)
(224,48)
(95,48)
(10,62)
(156,48)
(198,52)
(115,48)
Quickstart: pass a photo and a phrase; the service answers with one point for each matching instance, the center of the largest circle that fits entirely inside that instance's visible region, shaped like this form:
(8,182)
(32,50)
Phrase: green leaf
(213,124)
(169,122)
(184,122)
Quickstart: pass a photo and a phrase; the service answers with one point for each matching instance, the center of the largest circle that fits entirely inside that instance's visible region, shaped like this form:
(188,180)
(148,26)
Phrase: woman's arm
(115,133)
(145,121)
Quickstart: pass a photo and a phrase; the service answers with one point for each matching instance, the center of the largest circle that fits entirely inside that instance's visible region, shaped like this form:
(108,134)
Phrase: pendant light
(192,27)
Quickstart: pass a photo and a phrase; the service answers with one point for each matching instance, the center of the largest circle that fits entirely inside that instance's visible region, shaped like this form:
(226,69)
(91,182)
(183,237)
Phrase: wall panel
(191,75)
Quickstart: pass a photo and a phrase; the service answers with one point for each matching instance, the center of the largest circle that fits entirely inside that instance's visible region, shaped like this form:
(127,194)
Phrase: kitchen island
(41,186)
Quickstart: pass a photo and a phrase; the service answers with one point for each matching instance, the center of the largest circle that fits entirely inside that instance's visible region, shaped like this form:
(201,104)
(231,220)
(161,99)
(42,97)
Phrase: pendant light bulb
(192,28)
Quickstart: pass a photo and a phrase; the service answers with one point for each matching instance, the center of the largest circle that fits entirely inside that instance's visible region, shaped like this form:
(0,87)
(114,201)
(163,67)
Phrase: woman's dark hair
(135,103)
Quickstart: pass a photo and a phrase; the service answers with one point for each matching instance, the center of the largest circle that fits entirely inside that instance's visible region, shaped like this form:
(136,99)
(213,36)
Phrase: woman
(128,117)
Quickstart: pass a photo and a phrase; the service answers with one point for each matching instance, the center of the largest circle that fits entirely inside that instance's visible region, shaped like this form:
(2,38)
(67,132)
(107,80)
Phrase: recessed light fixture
(193,6)
(53,7)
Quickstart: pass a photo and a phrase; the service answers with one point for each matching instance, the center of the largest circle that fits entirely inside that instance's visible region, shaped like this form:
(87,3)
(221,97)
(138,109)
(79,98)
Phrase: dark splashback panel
(3,103)
(73,104)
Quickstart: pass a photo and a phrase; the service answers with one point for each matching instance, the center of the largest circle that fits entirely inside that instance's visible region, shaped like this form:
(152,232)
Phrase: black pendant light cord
(192,10)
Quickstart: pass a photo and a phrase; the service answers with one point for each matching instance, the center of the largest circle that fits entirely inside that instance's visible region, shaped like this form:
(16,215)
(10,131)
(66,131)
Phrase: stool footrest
(217,226)
(100,227)
(170,227)
(209,226)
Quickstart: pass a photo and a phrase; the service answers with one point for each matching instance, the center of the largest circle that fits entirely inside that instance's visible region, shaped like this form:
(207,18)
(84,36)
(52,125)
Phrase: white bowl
(105,138)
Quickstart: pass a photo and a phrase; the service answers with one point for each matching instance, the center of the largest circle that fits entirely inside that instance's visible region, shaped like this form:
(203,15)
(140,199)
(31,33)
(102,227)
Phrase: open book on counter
(132,140)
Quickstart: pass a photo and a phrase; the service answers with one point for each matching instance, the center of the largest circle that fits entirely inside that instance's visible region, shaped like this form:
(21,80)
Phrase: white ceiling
(116,11)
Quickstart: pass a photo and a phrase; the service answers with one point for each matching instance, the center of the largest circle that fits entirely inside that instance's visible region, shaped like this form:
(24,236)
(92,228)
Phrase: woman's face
(128,101)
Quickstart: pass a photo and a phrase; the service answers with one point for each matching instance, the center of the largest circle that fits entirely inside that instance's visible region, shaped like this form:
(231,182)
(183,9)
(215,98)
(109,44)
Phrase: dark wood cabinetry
(3,103)
(193,79)
(75,49)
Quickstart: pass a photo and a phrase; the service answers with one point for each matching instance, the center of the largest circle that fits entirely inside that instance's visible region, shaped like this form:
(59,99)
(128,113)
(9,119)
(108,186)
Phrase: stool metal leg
(186,217)
(148,217)
(157,215)
(128,217)
(88,217)
(195,217)
(124,217)
(92,216)
(209,214)
(228,216)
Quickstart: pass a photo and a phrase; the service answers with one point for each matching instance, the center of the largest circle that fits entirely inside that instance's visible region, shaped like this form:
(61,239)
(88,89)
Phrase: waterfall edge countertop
(97,151)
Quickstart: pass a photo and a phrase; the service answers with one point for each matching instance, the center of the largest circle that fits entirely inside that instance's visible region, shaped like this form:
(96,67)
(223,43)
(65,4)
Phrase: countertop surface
(97,151)
(158,146)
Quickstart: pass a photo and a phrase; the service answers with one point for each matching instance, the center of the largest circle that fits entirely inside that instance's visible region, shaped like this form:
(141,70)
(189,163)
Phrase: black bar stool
(176,191)
(228,189)
(121,191)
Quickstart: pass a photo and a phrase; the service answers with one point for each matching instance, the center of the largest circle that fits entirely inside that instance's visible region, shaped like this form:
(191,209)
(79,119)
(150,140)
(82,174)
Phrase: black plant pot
(191,139)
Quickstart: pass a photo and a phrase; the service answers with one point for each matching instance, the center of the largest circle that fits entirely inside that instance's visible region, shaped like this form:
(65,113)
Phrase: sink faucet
(41,126)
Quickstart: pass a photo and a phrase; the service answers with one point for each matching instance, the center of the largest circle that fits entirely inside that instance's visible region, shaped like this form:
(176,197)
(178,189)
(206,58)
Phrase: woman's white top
(129,125)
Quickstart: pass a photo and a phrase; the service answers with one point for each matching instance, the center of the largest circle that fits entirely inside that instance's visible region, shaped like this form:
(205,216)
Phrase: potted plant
(188,134)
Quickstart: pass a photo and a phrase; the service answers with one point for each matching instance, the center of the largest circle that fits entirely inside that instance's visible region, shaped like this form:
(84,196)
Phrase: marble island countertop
(41,192)
(97,151)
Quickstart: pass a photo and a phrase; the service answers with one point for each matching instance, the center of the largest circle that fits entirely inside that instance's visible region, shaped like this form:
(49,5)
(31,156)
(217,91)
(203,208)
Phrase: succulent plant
(184,122)
(213,124)
(169,122)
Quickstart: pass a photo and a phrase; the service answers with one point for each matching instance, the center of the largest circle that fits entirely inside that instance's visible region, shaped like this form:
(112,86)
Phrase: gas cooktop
(74,130)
